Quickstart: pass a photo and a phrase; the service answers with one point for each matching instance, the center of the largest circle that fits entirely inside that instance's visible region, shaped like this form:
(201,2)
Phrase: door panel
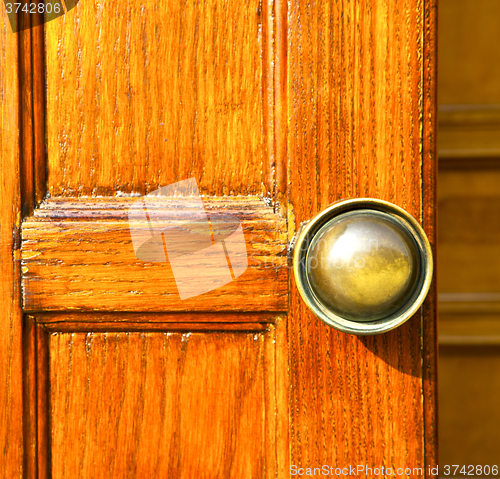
(143,94)
(360,124)
(160,405)
(79,254)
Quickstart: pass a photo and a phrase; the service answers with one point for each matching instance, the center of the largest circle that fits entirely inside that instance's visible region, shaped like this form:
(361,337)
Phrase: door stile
(429,222)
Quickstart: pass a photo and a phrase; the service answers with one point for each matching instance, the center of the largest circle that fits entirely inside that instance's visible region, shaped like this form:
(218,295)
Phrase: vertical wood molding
(39,169)
(30,397)
(36,400)
(11,384)
(26,112)
(32,108)
(43,450)
(429,222)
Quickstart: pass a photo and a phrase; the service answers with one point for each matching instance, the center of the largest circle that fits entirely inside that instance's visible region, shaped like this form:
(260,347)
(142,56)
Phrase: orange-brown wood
(26,109)
(152,318)
(140,95)
(429,222)
(299,103)
(356,106)
(125,326)
(11,381)
(166,401)
(30,398)
(40,164)
(79,255)
(43,405)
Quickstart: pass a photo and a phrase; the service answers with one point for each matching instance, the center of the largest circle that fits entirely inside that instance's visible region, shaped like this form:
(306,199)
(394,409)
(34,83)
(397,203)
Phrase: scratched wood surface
(161,405)
(141,94)
(79,255)
(357,126)
(11,385)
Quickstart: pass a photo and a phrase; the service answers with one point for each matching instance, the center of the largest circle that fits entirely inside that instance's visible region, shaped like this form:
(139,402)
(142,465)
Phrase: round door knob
(363,266)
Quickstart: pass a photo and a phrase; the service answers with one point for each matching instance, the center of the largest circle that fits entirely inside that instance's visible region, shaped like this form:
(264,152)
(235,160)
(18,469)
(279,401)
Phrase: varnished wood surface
(356,129)
(152,318)
(161,404)
(429,222)
(38,56)
(27,160)
(302,102)
(79,255)
(140,95)
(11,381)
(126,326)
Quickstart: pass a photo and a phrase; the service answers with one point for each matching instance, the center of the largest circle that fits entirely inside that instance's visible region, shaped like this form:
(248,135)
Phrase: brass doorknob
(363,266)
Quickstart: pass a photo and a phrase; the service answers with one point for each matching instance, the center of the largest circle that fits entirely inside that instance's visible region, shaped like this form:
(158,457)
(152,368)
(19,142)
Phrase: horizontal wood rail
(78,255)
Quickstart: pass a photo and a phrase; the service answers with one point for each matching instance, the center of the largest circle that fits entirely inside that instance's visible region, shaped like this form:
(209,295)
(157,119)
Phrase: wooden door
(276,109)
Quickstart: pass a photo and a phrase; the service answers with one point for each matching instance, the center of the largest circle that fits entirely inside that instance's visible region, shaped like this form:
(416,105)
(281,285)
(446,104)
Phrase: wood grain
(79,255)
(26,113)
(11,381)
(301,102)
(38,56)
(127,326)
(429,222)
(356,106)
(30,398)
(32,108)
(143,94)
(153,318)
(198,418)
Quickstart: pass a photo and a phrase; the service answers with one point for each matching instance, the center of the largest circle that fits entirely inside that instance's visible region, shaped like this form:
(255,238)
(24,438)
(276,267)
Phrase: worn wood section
(200,388)
(11,383)
(80,255)
(356,106)
(140,95)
